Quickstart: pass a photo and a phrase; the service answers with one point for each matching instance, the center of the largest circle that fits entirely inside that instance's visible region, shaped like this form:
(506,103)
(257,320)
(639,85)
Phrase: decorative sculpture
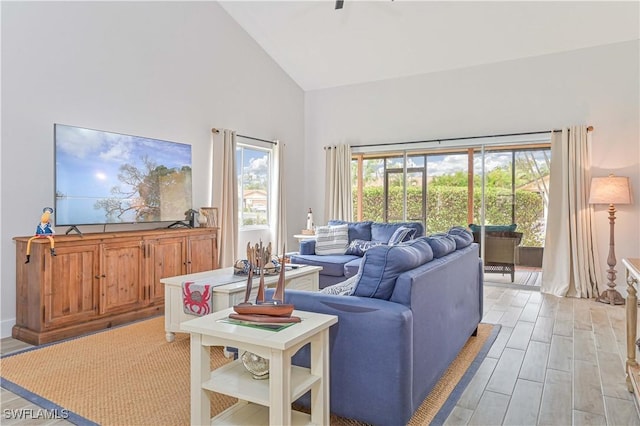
(273,311)
(43,230)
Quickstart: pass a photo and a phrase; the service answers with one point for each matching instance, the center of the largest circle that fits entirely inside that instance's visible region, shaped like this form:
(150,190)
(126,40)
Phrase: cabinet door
(168,259)
(122,286)
(202,253)
(71,285)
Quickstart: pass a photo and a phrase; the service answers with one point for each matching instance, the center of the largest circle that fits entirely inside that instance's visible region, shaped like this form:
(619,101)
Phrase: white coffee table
(229,290)
(260,401)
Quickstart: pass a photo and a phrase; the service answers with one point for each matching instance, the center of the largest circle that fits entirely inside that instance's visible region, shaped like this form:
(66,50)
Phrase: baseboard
(6,326)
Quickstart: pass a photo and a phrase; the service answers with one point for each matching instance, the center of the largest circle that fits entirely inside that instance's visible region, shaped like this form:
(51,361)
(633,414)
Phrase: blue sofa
(413,307)
(336,268)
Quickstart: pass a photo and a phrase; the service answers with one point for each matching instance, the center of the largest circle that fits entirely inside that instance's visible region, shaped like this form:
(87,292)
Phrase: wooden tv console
(99,280)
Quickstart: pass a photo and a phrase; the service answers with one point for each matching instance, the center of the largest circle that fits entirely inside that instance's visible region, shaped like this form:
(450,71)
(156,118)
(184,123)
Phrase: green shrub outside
(447,207)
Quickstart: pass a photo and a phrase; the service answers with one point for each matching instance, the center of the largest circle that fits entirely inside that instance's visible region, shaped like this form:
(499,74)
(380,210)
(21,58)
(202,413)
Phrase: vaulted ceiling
(321,47)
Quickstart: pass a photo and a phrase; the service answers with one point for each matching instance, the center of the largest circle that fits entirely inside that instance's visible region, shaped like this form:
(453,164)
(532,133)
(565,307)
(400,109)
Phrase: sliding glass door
(447,190)
(490,184)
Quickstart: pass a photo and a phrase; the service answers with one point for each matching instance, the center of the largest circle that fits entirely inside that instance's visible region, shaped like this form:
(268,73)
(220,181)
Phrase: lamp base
(611,296)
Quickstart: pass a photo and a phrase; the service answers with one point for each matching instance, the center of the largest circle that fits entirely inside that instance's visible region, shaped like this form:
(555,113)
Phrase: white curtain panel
(337,199)
(279,227)
(225,194)
(570,265)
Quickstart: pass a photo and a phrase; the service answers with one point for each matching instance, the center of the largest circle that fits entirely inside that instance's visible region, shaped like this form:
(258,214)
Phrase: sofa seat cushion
(332,265)
(382,265)
(331,239)
(441,244)
(383,232)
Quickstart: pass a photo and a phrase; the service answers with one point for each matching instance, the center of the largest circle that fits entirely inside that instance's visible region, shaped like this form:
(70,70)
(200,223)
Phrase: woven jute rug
(132,376)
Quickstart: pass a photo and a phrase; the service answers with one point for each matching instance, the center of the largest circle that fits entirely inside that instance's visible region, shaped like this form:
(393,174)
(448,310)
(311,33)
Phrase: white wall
(597,86)
(166,70)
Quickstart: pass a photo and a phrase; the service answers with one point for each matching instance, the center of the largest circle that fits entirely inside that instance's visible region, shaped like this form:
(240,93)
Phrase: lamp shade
(610,190)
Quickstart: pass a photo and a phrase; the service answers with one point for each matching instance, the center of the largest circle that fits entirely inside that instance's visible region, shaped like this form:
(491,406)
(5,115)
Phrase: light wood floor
(556,361)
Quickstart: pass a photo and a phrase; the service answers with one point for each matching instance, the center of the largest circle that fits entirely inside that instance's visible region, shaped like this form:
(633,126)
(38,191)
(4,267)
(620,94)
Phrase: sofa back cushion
(357,230)
(381,266)
(441,244)
(331,239)
(462,236)
(383,232)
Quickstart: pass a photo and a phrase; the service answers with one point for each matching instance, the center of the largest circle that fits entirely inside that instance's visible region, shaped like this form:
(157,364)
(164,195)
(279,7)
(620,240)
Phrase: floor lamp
(610,190)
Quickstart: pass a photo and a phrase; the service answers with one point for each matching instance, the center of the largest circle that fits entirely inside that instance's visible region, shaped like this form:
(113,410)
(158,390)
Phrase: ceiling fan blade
(339,4)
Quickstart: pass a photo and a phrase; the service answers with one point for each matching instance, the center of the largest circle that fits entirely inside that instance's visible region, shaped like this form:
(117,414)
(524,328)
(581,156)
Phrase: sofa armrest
(308,246)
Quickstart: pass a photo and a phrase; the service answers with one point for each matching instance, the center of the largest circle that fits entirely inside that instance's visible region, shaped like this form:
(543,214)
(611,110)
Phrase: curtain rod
(589,129)
(214,130)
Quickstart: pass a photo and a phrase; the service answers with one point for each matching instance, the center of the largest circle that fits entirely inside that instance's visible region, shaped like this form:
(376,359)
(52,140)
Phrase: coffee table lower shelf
(245,413)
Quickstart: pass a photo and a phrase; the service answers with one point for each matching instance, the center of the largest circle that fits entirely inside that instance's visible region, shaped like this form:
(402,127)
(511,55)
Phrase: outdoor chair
(500,251)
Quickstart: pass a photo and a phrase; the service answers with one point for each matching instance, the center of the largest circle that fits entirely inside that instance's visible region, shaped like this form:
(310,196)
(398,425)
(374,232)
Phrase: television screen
(103,177)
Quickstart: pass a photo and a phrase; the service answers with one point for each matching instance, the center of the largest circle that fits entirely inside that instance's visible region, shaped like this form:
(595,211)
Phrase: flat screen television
(107,178)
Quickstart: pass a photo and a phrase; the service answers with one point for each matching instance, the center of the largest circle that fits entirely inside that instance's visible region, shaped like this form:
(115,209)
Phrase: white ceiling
(320,47)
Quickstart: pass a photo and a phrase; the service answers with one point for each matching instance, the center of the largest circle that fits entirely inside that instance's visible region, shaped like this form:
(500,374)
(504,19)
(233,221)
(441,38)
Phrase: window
(254,167)
(443,187)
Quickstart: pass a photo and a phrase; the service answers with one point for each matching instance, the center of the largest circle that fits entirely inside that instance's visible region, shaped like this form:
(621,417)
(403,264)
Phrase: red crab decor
(272,311)
(196,298)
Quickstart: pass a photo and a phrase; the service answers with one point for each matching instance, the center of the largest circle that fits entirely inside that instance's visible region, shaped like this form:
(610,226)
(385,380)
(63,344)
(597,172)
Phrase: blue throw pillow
(359,247)
(401,234)
(462,236)
(381,266)
(441,244)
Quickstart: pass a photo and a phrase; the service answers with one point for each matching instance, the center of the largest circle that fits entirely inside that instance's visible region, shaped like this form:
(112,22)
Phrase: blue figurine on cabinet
(43,230)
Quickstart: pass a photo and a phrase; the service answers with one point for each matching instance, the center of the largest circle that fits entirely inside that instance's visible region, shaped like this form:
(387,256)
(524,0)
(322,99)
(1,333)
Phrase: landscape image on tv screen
(104,177)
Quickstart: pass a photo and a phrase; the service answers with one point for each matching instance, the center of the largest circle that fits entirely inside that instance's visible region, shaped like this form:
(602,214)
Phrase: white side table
(301,237)
(260,401)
